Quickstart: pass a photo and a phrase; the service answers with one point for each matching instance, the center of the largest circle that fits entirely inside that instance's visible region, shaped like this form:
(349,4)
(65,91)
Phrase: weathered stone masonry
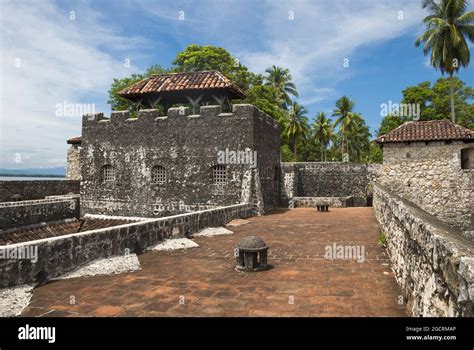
(14,214)
(432,262)
(431,176)
(336,183)
(73,170)
(186,147)
(36,189)
(58,255)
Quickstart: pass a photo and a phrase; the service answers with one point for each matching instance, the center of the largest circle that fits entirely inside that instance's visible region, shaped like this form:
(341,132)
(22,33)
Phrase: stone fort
(169,170)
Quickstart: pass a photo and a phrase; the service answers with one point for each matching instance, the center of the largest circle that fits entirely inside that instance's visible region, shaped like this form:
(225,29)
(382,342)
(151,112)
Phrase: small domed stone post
(251,254)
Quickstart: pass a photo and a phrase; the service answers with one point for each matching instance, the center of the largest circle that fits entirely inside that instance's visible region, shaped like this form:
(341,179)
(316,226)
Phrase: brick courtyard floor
(202,281)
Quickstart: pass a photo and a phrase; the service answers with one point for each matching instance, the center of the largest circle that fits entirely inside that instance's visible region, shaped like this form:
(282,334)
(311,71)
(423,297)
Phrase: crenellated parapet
(154,115)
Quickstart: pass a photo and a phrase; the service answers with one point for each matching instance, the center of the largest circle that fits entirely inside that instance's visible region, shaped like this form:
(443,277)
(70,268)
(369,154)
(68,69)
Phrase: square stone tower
(157,165)
(431,163)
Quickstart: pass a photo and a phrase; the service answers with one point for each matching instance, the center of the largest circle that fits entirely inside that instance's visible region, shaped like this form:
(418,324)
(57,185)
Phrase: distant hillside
(59,171)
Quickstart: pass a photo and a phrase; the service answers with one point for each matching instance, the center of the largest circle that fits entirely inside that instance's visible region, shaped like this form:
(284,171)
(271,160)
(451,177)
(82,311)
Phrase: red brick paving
(202,281)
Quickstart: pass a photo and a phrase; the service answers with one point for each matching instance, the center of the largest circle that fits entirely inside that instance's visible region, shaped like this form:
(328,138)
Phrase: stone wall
(37,189)
(58,255)
(327,179)
(73,170)
(312,202)
(430,175)
(432,262)
(14,214)
(187,147)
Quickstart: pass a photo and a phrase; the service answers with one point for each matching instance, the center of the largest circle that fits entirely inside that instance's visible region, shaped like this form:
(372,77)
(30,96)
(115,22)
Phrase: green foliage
(197,58)
(280,79)
(435,100)
(358,141)
(297,128)
(354,134)
(267,99)
(118,103)
(447,27)
(383,240)
(462,95)
(323,133)
(375,154)
(272,92)
(389,123)
(286,153)
(309,151)
(422,95)
(435,103)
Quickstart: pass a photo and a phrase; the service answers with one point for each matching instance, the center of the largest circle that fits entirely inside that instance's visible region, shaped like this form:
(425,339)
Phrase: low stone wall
(14,214)
(36,189)
(312,202)
(433,263)
(327,179)
(58,255)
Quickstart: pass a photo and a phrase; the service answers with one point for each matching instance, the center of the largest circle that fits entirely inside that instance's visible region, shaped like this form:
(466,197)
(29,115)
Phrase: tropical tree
(447,27)
(198,58)
(118,103)
(359,141)
(323,132)
(389,123)
(346,120)
(280,79)
(297,127)
(267,98)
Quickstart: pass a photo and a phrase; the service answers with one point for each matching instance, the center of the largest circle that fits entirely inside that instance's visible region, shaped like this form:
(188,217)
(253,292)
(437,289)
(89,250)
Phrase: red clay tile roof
(34,232)
(75,140)
(432,130)
(174,82)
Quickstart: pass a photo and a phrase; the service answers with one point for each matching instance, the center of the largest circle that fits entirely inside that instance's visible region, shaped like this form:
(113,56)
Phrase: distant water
(28,178)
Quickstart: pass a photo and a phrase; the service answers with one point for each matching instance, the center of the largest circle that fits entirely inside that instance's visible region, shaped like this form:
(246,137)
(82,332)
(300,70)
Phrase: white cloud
(59,60)
(312,45)
(322,34)
(75,61)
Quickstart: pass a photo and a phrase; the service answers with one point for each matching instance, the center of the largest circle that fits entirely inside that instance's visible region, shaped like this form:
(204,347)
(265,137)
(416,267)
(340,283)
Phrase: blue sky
(72,57)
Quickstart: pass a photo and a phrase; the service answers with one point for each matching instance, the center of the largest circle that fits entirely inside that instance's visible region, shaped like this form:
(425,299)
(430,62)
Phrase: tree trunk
(451,90)
(342,145)
(294,148)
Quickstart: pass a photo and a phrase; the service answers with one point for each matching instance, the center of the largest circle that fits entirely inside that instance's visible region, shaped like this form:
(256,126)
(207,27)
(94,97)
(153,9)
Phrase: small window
(158,175)
(219,174)
(467,158)
(108,173)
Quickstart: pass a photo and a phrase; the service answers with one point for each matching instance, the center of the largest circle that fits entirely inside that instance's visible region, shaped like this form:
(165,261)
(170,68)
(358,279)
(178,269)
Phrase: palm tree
(347,120)
(280,79)
(359,140)
(297,126)
(323,132)
(446,27)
